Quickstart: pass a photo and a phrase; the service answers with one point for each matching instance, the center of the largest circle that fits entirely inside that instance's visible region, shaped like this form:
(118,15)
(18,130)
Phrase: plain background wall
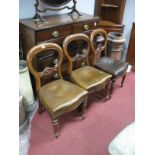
(26,10)
(129,18)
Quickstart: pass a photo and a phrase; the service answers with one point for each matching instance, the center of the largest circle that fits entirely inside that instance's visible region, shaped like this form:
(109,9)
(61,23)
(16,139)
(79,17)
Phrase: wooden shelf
(109,5)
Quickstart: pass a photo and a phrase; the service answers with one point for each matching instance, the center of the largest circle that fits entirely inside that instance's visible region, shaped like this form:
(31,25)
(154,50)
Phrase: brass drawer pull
(86,27)
(55,34)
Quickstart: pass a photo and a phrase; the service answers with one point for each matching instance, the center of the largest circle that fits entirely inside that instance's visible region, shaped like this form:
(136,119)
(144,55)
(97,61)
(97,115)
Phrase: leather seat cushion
(89,78)
(111,66)
(61,96)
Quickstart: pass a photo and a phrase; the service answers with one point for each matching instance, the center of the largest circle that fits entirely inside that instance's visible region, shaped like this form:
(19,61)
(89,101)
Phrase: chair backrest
(84,55)
(52,70)
(101,36)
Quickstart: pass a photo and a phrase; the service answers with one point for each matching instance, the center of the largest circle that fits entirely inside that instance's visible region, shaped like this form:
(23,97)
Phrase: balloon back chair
(58,96)
(86,76)
(114,67)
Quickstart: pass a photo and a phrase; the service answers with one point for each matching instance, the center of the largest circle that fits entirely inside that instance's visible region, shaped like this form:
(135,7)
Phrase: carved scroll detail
(47,71)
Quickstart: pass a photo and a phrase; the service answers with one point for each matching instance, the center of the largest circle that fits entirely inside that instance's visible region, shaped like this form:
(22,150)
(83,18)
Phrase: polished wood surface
(110,10)
(55,3)
(93,41)
(111,27)
(111,13)
(58,20)
(131,49)
(86,76)
(59,96)
(41,49)
(60,25)
(85,55)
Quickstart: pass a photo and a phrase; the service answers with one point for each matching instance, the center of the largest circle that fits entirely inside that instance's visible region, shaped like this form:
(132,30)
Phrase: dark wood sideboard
(55,29)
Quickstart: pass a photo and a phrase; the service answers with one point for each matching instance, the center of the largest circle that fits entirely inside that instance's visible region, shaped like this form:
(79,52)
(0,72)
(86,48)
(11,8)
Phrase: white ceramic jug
(25,86)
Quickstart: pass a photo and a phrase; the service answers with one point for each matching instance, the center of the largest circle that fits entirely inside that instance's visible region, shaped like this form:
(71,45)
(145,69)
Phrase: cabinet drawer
(53,33)
(85,26)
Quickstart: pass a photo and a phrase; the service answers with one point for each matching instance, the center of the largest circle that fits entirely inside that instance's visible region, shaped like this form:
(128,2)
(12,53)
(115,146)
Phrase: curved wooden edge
(42,48)
(68,40)
(93,35)
(55,5)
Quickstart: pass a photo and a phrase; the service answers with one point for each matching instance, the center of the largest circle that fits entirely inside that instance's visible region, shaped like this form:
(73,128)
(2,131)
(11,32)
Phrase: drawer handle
(55,34)
(86,27)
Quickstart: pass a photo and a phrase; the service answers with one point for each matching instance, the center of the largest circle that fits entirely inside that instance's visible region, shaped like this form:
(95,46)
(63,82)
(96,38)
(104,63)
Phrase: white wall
(26,8)
(86,6)
(129,18)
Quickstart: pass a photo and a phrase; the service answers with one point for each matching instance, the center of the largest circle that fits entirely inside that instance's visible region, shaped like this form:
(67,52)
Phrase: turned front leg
(108,91)
(56,127)
(84,104)
(123,79)
(41,107)
(112,85)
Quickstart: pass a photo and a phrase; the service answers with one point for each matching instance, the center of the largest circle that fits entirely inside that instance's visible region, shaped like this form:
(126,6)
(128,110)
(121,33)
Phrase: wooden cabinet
(110,10)
(53,33)
(111,13)
(111,27)
(55,29)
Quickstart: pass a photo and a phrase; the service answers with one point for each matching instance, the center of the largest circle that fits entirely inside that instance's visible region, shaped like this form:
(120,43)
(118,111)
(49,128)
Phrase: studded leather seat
(61,96)
(90,78)
(111,66)
(58,96)
(87,77)
(114,67)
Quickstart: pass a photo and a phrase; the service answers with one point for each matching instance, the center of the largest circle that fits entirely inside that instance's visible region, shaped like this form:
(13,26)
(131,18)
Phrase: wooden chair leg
(112,85)
(84,104)
(123,79)
(108,91)
(41,108)
(56,127)
(98,96)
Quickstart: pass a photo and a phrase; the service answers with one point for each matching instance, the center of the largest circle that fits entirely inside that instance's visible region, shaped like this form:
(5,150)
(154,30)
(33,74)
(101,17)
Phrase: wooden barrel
(115,45)
(116,41)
